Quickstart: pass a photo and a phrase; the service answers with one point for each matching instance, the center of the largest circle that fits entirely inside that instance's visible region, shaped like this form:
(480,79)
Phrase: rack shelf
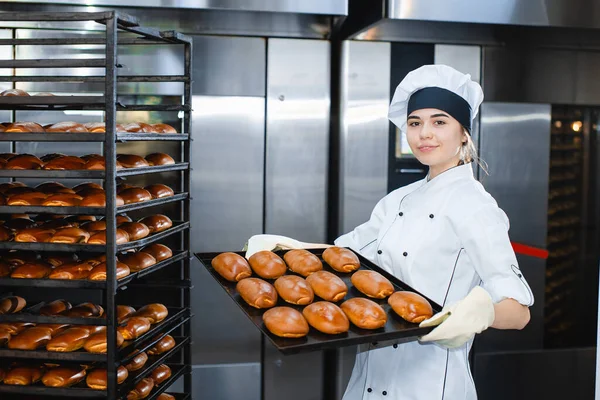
(90,137)
(85,174)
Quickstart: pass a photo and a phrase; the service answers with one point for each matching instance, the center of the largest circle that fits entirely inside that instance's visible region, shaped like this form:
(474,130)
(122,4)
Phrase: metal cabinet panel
(466,59)
(297,144)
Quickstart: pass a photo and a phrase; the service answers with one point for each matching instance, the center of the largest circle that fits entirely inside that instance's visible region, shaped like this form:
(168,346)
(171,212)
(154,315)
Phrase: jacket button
(395,346)
(379,251)
(369,390)
(431,216)
(384,393)
(405,254)
(519,275)
(400,213)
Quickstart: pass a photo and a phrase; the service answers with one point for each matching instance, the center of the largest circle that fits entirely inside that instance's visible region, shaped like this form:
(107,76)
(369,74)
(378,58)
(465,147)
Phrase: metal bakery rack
(119,30)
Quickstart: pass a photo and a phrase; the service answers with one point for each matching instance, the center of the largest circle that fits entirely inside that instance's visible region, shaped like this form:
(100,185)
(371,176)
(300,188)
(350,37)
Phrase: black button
(431,216)
(395,346)
(379,251)
(384,393)
(519,275)
(405,254)
(375,343)
(400,213)
(369,390)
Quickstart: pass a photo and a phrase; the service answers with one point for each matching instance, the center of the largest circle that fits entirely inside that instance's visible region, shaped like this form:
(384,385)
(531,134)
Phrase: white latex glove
(270,242)
(459,322)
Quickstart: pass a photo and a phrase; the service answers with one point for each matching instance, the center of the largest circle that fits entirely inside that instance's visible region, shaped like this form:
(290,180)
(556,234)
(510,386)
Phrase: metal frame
(179,317)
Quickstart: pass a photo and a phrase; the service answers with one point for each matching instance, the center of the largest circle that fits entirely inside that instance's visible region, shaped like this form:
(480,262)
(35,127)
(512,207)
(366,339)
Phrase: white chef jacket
(442,237)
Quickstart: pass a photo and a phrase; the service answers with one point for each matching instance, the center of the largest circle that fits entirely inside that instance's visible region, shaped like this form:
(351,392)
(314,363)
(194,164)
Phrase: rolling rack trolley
(173,273)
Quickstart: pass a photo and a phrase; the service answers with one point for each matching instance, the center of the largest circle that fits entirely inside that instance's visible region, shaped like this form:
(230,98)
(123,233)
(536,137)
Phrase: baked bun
(55,329)
(327,285)
(24,161)
(12,304)
(340,259)
(231,266)
(158,191)
(161,374)
(36,270)
(98,273)
(285,322)
(55,307)
(100,237)
(63,376)
(19,257)
(294,290)
(23,376)
(267,264)
(34,235)
(94,226)
(70,235)
(135,230)
(157,223)
(14,328)
(302,262)
(141,390)
(69,340)
(98,378)
(97,344)
(121,219)
(326,317)
(164,345)
(5,234)
(31,338)
(135,195)
(123,186)
(55,190)
(72,271)
(57,224)
(27,199)
(96,260)
(65,163)
(6,157)
(159,251)
(159,159)
(95,127)
(86,186)
(24,127)
(164,128)
(98,199)
(84,310)
(257,293)
(134,327)
(154,312)
(124,311)
(137,261)
(411,306)
(132,161)
(67,127)
(364,313)
(14,92)
(372,284)
(63,200)
(165,396)
(4,338)
(137,362)
(59,259)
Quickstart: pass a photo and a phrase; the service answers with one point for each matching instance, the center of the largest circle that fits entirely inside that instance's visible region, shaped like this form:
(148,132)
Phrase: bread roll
(24,127)
(100,237)
(121,219)
(164,128)
(94,226)
(24,161)
(267,264)
(18,190)
(164,345)
(412,307)
(49,157)
(98,378)
(302,262)
(63,200)
(12,304)
(70,235)
(135,195)
(123,186)
(6,157)
(19,257)
(294,290)
(123,312)
(159,159)
(97,344)
(31,338)
(84,310)
(158,191)
(5,234)
(326,317)
(372,283)
(340,259)
(327,286)
(71,339)
(134,327)
(132,161)
(34,235)
(59,259)
(98,273)
(137,362)
(231,266)
(95,127)
(4,338)
(71,271)
(137,261)
(86,186)
(257,293)
(50,186)
(96,260)
(132,127)
(5,269)
(55,307)
(14,328)
(157,223)
(63,376)
(23,376)
(14,92)
(27,199)
(154,312)
(141,390)
(65,163)
(285,322)
(161,374)
(31,271)
(98,199)
(55,329)
(165,396)
(135,230)
(57,224)
(364,313)
(159,251)
(67,127)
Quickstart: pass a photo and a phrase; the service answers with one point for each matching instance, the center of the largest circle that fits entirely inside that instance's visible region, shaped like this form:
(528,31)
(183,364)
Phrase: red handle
(529,250)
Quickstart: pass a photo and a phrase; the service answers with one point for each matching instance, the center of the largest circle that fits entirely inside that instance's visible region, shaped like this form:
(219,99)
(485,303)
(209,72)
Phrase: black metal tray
(177,371)
(395,329)
(85,174)
(89,137)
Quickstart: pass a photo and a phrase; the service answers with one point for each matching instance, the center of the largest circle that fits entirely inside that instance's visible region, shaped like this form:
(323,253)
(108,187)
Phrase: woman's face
(435,138)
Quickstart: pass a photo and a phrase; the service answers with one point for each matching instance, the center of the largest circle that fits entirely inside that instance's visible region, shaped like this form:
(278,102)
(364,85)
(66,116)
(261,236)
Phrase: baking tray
(89,137)
(395,329)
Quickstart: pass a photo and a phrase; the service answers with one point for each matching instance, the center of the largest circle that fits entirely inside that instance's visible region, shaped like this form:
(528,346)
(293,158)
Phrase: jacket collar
(449,177)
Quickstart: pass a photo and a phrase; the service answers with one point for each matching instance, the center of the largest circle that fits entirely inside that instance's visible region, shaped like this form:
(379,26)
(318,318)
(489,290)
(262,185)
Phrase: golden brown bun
(5,269)
(98,378)
(340,259)
(24,127)
(55,329)
(57,224)
(96,343)
(372,283)
(257,293)
(6,157)
(364,313)
(94,226)
(5,234)
(14,92)
(98,199)
(161,374)
(326,317)
(70,235)
(14,328)
(31,338)
(157,223)
(95,127)
(134,327)
(72,271)
(132,161)
(59,259)
(285,322)
(137,362)
(231,266)
(412,307)
(100,237)
(86,186)
(327,286)
(135,230)
(124,311)
(159,159)
(98,273)
(12,304)
(294,290)
(302,262)
(70,340)
(4,338)
(137,261)
(34,235)
(141,390)
(68,126)
(63,200)
(134,127)
(31,271)
(55,307)
(123,186)
(53,188)
(164,128)
(267,264)
(89,157)
(23,376)
(158,251)
(158,191)
(49,157)
(65,163)
(165,396)
(18,190)
(27,199)
(121,219)
(96,260)
(155,312)
(135,195)
(84,310)
(63,376)
(164,345)
(24,161)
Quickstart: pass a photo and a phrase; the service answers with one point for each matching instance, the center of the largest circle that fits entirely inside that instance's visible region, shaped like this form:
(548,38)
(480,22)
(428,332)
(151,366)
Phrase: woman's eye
(440,122)
(413,124)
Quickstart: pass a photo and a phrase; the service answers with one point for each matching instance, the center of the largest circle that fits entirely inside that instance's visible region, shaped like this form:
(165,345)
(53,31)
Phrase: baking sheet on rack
(396,329)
